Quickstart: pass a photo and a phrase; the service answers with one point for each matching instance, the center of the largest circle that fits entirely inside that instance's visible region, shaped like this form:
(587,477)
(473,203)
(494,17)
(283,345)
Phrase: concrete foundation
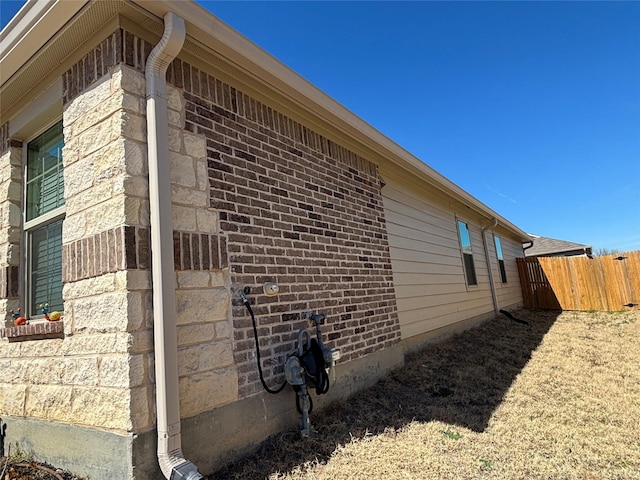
(417,342)
(209,439)
(84,451)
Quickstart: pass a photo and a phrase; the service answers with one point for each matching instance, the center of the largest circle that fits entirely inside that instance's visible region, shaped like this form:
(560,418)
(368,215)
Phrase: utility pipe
(492,284)
(170,457)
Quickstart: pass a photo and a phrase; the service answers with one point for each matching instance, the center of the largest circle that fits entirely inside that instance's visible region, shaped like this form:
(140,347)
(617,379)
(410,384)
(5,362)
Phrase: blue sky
(532,107)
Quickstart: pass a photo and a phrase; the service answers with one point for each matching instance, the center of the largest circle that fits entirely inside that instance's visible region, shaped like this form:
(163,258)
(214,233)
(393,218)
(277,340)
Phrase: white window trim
(43,219)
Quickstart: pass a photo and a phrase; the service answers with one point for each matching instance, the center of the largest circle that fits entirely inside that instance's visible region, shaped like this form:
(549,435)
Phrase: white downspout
(170,458)
(492,284)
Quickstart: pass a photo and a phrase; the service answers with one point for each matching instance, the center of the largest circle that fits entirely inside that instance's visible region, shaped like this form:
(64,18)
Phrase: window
(503,272)
(467,254)
(44,213)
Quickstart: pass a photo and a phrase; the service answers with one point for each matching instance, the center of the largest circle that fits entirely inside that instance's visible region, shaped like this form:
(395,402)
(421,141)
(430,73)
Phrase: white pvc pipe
(170,457)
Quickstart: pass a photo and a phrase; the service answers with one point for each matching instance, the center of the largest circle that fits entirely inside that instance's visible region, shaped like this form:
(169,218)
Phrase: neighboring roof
(40,21)
(545,246)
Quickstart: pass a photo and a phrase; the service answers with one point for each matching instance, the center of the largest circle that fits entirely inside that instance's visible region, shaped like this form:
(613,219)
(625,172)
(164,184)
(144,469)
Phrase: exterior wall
(427,262)
(208,376)
(256,197)
(97,375)
(297,209)
(510,293)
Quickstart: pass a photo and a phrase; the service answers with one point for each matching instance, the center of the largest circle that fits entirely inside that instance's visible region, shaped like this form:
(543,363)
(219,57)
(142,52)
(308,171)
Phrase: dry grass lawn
(556,399)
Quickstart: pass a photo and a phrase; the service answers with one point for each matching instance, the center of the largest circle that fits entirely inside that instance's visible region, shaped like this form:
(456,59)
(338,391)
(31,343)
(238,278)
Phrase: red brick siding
(34,331)
(128,247)
(199,251)
(297,209)
(119,248)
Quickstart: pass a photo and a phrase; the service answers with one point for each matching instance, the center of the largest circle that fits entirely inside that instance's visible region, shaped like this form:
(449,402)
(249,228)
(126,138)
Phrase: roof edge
(34,24)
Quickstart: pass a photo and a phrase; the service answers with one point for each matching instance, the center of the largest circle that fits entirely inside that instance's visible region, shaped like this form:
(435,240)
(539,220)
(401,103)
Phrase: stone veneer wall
(297,209)
(99,373)
(207,376)
(10,222)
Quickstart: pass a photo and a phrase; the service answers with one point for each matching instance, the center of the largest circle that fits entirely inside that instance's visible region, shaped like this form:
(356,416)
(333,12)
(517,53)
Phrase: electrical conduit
(170,457)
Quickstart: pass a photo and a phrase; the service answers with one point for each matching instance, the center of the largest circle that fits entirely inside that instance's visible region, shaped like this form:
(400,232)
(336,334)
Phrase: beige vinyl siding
(427,263)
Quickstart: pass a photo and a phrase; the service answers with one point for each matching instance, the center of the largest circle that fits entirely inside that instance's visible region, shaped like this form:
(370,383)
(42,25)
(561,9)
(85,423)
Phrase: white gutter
(170,457)
(492,285)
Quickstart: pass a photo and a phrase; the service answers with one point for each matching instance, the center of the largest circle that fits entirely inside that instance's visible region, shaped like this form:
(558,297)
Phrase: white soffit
(30,29)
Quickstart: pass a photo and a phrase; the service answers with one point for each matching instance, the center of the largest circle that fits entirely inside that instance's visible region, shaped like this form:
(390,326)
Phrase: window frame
(471,277)
(29,227)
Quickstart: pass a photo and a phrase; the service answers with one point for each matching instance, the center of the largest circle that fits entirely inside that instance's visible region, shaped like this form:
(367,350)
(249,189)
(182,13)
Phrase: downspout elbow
(527,247)
(163,54)
(170,457)
(491,226)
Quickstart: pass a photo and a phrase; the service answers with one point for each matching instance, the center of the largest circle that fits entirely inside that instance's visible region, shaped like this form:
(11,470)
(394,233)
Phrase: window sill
(34,331)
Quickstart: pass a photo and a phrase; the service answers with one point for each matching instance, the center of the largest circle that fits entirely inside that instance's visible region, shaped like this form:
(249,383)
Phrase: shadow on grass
(460,381)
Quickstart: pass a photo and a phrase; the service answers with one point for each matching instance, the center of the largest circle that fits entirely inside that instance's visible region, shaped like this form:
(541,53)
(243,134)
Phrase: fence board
(633,274)
(536,289)
(606,283)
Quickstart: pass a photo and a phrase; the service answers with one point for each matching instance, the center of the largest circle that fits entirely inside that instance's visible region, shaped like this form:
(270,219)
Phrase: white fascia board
(32,27)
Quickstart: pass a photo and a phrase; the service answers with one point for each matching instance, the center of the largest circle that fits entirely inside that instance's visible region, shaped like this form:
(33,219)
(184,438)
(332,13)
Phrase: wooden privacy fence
(607,283)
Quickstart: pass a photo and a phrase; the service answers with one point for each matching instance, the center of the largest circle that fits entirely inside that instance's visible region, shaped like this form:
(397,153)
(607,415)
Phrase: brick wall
(119,248)
(199,251)
(106,231)
(5,140)
(292,207)
(298,209)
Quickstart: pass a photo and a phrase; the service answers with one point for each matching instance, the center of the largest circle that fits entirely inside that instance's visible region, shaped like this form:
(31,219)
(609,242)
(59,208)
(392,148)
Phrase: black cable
(255,336)
(507,314)
(321,377)
(324,384)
